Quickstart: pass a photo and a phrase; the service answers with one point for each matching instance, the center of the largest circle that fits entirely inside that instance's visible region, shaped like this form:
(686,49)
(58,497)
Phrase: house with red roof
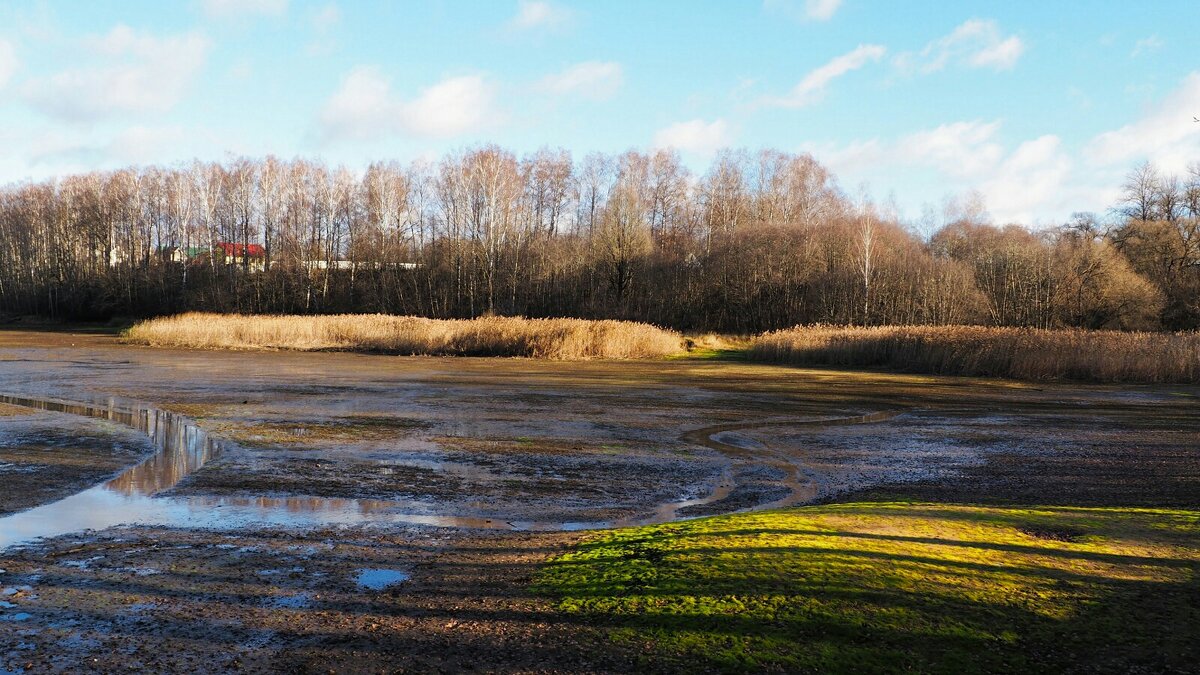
(253,256)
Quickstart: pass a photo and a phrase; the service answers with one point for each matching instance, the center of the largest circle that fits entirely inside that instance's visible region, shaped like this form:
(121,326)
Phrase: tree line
(756,242)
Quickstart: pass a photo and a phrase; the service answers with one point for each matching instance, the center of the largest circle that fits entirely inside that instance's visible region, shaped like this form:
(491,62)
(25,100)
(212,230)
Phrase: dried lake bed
(185,510)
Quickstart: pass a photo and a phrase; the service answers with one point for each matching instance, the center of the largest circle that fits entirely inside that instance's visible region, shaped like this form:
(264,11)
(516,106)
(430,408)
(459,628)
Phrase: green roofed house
(182,253)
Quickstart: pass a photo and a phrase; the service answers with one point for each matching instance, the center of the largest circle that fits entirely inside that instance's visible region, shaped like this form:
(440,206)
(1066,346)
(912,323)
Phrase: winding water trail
(183,447)
(798,487)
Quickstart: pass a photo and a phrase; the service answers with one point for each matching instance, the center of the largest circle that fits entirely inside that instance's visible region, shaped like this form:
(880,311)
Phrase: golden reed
(566,339)
(1022,353)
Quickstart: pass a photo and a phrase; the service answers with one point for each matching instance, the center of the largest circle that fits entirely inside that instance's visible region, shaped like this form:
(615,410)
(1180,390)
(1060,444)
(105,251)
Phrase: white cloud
(539,14)
(451,107)
(326,17)
(1029,183)
(812,88)
(808,10)
(1034,182)
(1146,45)
(1000,56)
(1037,179)
(144,145)
(852,158)
(958,149)
(967,149)
(76,149)
(225,9)
(821,10)
(976,43)
(323,20)
(8,62)
(695,136)
(128,72)
(364,107)
(1165,134)
(596,80)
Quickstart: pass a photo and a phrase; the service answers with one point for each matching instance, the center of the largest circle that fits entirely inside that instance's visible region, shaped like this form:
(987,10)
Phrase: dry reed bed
(566,339)
(1023,353)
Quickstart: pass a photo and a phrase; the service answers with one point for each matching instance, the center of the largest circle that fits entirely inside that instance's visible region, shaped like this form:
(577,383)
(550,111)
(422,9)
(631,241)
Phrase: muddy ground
(503,439)
(145,600)
(47,456)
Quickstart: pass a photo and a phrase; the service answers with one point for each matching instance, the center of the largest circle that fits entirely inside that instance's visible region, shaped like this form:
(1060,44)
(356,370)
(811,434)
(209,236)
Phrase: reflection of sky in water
(101,507)
(379,579)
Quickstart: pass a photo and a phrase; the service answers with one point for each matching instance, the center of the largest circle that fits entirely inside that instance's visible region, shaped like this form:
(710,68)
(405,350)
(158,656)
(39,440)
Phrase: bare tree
(756,242)
(866,253)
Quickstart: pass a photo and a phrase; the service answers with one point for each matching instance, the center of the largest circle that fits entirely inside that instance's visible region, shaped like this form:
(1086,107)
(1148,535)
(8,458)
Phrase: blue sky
(1038,107)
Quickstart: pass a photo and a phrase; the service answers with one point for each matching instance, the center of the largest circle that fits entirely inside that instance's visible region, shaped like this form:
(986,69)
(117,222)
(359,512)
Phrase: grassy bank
(568,339)
(896,587)
(1029,354)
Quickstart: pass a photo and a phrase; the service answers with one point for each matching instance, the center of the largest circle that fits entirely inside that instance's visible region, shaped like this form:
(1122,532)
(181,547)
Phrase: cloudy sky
(1041,107)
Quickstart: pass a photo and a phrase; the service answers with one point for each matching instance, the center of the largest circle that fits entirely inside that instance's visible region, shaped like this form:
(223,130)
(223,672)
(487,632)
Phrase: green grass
(892,587)
(710,354)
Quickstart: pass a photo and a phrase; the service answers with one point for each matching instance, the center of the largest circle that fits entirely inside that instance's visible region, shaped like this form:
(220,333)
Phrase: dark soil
(46,456)
(168,601)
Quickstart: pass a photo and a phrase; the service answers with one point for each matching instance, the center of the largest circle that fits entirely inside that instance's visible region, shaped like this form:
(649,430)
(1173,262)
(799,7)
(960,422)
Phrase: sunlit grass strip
(896,587)
(1024,353)
(568,339)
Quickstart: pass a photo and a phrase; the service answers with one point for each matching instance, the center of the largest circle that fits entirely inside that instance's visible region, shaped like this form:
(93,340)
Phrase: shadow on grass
(784,593)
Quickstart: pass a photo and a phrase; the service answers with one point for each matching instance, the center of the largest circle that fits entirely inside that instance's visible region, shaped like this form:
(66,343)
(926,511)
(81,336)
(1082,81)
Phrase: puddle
(380,579)
(298,601)
(737,440)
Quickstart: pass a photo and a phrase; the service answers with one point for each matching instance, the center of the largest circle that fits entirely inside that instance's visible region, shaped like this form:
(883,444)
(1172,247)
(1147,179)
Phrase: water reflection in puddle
(380,579)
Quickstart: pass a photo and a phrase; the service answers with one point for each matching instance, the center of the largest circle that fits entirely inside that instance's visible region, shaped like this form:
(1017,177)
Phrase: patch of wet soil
(744,497)
(335,430)
(168,601)
(1031,460)
(44,457)
(508,486)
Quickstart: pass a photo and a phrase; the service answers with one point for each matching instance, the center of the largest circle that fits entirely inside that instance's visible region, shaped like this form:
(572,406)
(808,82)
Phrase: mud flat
(47,456)
(459,478)
(150,600)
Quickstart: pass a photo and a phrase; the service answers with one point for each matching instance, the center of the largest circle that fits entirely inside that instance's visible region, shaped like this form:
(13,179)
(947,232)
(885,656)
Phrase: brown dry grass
(566,339)
(1023,353)
(717,343)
